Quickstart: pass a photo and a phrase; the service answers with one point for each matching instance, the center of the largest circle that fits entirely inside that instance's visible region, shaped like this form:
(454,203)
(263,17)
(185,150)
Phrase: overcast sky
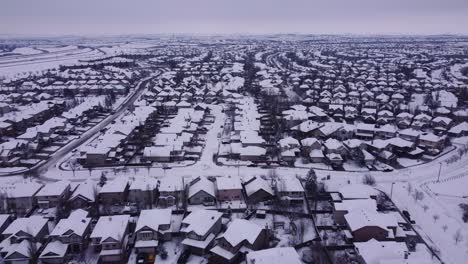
(82,17)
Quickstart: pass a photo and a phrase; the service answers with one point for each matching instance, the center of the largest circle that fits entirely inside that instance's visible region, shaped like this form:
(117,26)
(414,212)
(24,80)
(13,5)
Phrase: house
(345,206)
(143,191)
(274,256)
(114,192)
(252,153)
(228,188)
(84,195)
(241,236)
(365,131)
(55,252)
(288,143)
(73,231)
(109,237)
(53,194)
(430,142)
(459,130)
(200,229)
(365,225)
(21,252)
(201,191)
(309,144)
(316,156)
(32,228)
(258,190)
(290,190)
(334,146)
(153,226)
(376,252)
(170,191)
(22,238)
(21,197)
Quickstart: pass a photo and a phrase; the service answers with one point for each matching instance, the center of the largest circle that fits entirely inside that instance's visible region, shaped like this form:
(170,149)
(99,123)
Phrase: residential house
(84,196)
(170,191)
(240,237)
(200,229)
(258,190)
(109,237)
(22,238)
(229,188)
(53,194)
(153,226)
(201,191)
(143,191)
(290,190)
(274,255)
(114,192)
(73,231)
(21,197)
(70,235)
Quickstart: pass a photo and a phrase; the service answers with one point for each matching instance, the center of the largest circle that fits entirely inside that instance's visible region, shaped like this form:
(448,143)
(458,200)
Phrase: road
(37,169)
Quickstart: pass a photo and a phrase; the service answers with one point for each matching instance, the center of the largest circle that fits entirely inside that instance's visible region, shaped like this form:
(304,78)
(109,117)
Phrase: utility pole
(440,169)
(391,191)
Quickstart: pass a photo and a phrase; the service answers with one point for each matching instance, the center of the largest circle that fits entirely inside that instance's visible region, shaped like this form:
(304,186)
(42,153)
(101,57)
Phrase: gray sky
(56,17)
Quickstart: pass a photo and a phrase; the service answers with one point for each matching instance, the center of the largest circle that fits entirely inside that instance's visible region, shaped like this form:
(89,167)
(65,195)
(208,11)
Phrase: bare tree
(458,237)
(435,217)
(445,227)
(74,165)
(425,207)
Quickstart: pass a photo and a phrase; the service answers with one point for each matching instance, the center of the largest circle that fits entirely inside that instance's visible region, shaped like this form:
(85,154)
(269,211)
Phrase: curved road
(88,134)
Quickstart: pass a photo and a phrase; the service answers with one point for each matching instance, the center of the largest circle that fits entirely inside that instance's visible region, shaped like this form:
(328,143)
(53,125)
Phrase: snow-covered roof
(77,222)
(200,221)
(116,186)
(20,190)
(390,252)
(240,230)
(54,249)
(154,218)
(290,184)
(360,218)
(201,184)
(358,204)
(113,226)
(54,189)
(31,225)
(277,255)
(85,190)
(228,183)
(257,184)
(357,191)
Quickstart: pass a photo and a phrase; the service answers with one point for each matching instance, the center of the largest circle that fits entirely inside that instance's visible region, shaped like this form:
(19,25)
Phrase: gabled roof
(153,219)
(200,221)
(256,184)
(77,223)
(111,227)
(240,230)
(201,184)
(31,225)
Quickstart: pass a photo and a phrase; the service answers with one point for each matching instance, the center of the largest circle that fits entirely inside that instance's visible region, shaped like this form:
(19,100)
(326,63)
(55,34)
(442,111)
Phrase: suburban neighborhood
(255,149)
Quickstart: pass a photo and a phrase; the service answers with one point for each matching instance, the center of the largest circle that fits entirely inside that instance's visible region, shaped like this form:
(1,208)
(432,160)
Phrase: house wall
(200,198)
(230,195)
(259,196)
